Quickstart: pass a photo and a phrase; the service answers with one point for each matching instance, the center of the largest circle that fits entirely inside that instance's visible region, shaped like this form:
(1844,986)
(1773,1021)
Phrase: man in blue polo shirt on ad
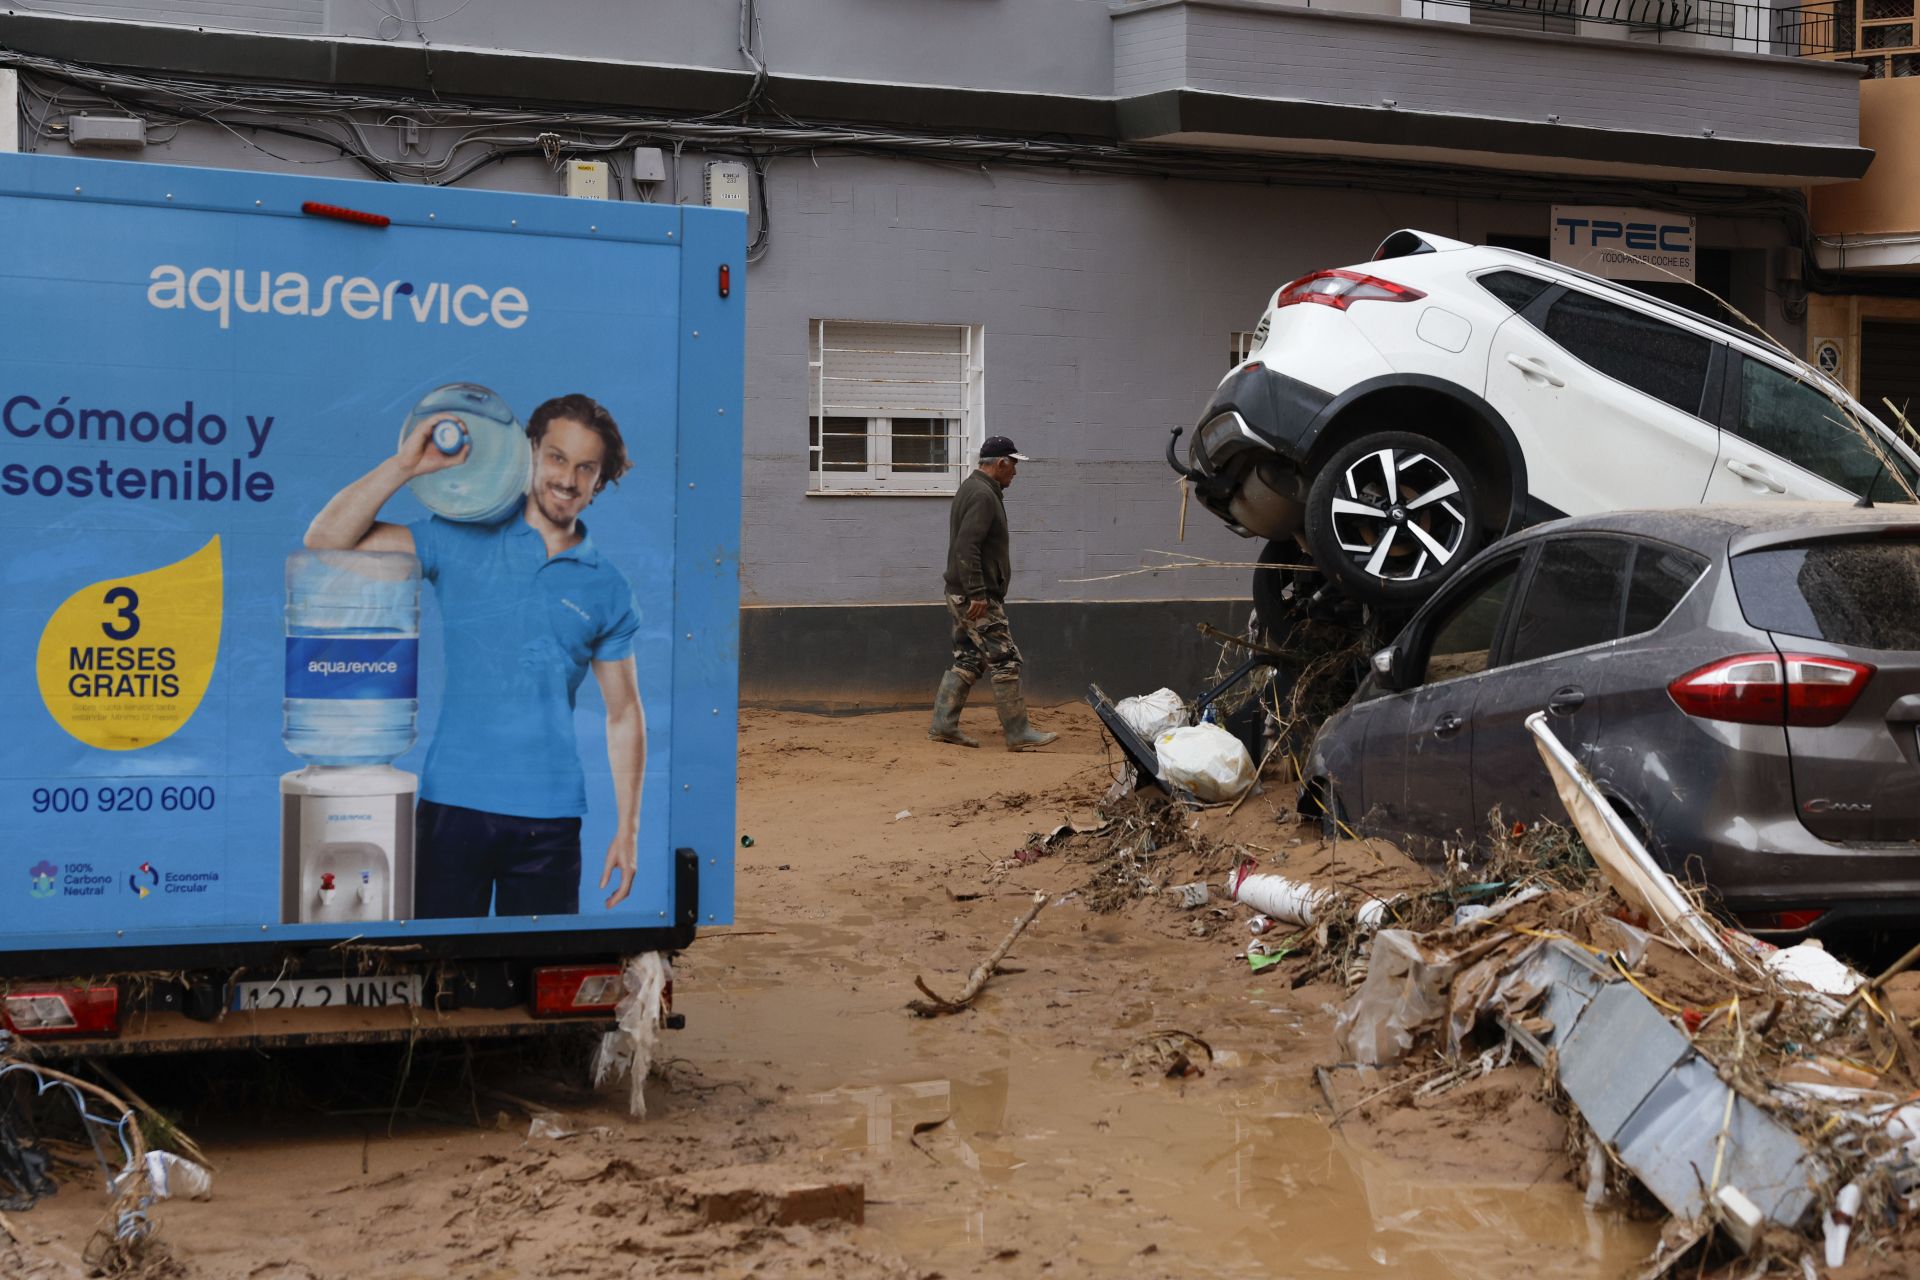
(528,606)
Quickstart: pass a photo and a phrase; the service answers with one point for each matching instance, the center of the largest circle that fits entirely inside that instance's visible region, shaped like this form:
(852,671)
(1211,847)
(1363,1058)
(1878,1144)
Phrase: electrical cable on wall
(274,108)
(763,236)
(460,139)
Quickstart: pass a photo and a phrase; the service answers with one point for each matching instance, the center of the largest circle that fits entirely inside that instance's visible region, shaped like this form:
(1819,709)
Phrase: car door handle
(1447,726)
(1566,701)
(1757,474)
(1534,367)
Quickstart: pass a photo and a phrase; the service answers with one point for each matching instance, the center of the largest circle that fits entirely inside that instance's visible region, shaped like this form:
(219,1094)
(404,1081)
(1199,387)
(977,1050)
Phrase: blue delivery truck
(368,639)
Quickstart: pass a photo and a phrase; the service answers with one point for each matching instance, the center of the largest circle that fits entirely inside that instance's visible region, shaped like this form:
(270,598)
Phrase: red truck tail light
(566,989)
(1341,289)
(1796,689)
(74,1011)
(313,208)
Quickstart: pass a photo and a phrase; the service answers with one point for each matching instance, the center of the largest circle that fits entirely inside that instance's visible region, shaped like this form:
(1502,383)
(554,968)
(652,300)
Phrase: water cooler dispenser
(353,640)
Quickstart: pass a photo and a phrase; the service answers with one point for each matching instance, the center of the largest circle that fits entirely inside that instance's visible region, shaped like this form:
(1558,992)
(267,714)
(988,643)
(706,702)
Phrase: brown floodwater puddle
(775,957)
(1228,1185)
(1234,1175)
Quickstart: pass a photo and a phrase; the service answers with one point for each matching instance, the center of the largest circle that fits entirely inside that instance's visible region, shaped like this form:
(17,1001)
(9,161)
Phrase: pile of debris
(1768,1099)
(1145,849)
(124,1243)
(1215,748)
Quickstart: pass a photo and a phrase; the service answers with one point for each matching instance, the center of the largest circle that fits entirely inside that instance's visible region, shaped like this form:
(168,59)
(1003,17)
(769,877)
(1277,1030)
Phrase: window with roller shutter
(895,408)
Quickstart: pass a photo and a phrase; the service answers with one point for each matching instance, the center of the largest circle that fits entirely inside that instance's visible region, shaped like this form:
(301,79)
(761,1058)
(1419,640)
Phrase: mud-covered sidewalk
(1126,1098)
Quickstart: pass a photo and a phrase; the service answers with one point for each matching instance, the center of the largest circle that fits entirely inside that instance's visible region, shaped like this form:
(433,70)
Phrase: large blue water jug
(353,647)
(491,484)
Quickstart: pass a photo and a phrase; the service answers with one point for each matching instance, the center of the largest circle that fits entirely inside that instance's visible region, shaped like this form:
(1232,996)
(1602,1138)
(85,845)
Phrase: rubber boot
(952,696)
(1013,717)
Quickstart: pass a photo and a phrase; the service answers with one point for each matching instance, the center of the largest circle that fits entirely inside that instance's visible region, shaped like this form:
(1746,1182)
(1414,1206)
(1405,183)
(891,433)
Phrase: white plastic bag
(1206,760)
(1152,714)
(628,1049)
(176,1176)
(1405,991)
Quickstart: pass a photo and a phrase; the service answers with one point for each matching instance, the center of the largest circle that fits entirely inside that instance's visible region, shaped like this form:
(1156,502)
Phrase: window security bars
(1880,35)
(1797,31)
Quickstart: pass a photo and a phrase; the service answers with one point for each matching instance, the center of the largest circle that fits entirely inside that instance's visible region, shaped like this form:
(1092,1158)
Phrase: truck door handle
(1534,367)
(1447,726)
(1566,701)
(1757,474)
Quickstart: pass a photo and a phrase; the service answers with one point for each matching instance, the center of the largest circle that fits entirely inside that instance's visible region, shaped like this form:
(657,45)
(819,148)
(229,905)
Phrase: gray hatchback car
(1743,683)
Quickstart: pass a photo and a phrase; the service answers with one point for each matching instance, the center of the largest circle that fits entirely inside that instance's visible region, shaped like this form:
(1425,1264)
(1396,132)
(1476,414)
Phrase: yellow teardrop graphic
(125,662)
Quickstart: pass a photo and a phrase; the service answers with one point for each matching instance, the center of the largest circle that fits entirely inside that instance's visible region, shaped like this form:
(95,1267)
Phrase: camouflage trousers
(983,643)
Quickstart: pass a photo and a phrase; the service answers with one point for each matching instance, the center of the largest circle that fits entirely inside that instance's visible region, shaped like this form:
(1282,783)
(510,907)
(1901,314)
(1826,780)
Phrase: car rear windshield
(1864,594)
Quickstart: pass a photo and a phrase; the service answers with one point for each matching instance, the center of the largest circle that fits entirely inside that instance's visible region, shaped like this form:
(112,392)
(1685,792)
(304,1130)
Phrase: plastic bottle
(490,485)
(353,643)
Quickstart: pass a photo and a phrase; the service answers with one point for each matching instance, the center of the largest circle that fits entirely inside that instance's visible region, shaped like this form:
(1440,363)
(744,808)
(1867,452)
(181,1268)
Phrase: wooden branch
(1867,988)
(936,1004)
(1212,632)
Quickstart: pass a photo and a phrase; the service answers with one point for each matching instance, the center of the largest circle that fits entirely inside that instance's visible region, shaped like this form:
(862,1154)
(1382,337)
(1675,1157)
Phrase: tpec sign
(1623,244)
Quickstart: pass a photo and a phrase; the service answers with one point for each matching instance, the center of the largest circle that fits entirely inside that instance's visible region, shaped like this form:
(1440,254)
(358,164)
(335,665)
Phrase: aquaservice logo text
(229,292)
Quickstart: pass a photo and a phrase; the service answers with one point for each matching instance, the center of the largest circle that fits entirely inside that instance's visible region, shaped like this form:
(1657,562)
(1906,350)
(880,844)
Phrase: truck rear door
(193,365)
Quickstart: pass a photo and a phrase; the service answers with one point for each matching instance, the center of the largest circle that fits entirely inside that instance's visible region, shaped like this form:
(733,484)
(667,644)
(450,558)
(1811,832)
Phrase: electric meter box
(587,179)
(728,184)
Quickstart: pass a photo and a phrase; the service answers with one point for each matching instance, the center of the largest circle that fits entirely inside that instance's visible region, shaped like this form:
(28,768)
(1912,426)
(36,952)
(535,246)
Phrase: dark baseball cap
(1000,447)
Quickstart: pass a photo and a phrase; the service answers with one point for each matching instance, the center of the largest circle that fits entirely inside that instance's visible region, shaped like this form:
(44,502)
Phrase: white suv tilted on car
(1392,417)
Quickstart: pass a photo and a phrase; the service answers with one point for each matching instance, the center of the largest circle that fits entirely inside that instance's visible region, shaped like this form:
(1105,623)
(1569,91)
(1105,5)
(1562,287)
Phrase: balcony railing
(1804,30)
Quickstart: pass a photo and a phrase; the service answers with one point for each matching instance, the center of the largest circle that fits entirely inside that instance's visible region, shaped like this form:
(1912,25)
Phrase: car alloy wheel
(1391,516)
(1399,516)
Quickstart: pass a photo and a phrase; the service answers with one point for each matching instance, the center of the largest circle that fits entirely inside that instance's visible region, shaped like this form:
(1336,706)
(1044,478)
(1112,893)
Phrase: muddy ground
(1038,1134)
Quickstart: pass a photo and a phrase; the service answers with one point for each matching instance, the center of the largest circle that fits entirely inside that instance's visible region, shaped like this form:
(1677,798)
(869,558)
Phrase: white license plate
(329,993)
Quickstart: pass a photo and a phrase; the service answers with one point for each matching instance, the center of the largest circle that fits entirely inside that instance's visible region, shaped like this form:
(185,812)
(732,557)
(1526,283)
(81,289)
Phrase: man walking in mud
(978,567)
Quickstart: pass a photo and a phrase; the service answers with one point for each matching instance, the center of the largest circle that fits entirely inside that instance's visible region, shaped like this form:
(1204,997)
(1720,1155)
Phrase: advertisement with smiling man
(356,589)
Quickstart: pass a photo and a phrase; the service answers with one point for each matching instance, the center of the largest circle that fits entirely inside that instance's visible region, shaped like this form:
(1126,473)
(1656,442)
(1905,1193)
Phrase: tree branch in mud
(936,1004)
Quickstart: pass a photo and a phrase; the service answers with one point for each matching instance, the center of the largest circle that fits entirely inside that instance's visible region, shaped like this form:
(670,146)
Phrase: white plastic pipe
(1295,901)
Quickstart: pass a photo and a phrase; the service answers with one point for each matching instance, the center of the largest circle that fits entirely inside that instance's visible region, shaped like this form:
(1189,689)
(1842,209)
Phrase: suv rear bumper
(1258,420)
(1846,919)
(1855,885)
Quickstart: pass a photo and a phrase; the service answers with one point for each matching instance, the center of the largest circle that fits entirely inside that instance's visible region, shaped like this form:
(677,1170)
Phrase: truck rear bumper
(151,1033)
(326,1000)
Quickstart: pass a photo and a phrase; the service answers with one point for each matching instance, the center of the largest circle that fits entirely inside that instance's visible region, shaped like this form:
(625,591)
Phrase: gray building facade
(1048,219)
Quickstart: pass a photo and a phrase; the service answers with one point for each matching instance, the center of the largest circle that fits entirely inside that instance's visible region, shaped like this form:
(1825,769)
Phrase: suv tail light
(75,1011)
(576,989)
(1797,689)
(1341,289)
